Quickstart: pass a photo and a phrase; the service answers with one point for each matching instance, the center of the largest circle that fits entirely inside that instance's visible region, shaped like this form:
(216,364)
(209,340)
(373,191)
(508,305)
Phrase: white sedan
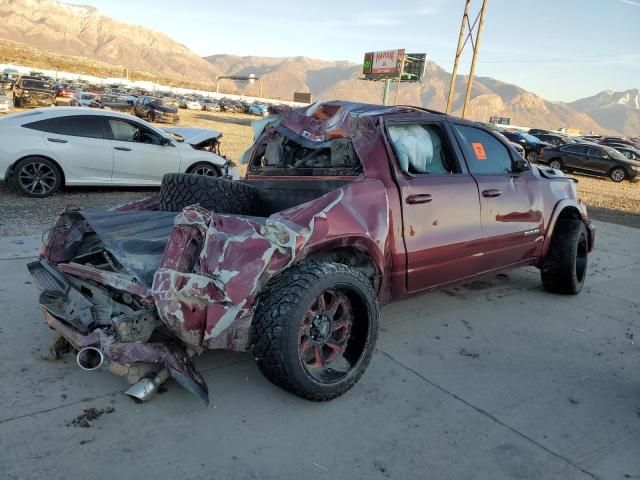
(46,148)
(193,105)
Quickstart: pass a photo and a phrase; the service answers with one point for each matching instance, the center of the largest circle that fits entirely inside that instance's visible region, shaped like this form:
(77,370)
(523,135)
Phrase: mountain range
(83,31)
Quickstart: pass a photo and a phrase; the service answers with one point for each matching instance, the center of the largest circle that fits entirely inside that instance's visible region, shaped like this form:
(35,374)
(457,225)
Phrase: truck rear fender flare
(358,252)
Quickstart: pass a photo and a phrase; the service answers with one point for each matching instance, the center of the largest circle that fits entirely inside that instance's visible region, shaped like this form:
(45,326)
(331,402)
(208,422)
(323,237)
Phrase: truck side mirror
(520,165)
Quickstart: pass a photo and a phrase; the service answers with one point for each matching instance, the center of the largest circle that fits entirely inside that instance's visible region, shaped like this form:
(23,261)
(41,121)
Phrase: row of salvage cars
(617,158)
(344,207)
(28,91)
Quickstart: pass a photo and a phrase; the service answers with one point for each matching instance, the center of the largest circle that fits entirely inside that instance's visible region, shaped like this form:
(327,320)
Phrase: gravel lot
(608,201)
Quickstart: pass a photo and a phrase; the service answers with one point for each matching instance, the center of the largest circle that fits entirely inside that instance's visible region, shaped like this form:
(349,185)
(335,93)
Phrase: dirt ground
(607,201)
(235,128)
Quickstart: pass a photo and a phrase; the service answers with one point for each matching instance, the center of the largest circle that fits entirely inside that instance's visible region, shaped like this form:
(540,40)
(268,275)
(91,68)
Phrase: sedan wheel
(617,174)
(205,170)
(37,177)
(532,156)
(555,164)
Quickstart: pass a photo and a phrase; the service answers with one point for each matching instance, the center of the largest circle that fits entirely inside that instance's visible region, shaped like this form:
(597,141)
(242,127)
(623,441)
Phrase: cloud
(631,2)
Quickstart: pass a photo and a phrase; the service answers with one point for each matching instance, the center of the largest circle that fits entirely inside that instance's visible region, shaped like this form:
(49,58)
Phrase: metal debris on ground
(88,416)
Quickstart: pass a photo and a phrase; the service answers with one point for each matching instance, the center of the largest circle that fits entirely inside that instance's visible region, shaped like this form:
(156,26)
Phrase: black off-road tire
(282,308)
(564,268)
(219,195)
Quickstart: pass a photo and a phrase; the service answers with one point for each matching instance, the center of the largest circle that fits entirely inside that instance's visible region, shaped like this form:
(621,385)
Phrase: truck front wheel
(564,268)
(315,328)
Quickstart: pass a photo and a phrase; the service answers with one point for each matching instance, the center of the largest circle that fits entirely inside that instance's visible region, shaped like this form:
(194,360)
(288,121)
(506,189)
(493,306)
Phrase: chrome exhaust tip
(146,388)
(90,359)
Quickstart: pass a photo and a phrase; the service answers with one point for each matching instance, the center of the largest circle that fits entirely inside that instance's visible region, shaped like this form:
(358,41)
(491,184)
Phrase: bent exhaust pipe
(90,359)
(146,388)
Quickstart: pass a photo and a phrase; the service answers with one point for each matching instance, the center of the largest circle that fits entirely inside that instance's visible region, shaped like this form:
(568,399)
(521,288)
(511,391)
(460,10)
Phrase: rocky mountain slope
(282,76)
(84,31)
(618,110)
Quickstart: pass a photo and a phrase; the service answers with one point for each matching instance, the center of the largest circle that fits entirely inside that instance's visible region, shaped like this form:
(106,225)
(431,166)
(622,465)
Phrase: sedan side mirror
(165,141)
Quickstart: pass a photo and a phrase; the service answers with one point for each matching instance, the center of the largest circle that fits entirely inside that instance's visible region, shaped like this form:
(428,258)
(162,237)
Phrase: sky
(560,49)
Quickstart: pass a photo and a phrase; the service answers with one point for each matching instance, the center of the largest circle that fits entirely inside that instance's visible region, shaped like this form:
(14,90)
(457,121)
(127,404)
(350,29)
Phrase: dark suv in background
(533,147)
(592,159)
(32,92)
(613,141)
(155,110)
(555,139)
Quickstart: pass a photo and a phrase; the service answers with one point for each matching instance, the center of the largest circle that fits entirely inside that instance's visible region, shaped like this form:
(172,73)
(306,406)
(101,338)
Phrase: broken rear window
(279,154)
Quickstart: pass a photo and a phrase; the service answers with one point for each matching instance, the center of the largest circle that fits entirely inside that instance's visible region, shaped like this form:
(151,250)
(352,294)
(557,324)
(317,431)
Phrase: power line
(581,59)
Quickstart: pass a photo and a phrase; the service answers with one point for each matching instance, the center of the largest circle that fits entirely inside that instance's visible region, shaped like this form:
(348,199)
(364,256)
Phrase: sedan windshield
(530,138)
(613,153)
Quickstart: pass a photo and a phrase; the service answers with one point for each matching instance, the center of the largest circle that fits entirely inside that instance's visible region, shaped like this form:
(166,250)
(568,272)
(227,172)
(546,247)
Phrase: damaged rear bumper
(73,315)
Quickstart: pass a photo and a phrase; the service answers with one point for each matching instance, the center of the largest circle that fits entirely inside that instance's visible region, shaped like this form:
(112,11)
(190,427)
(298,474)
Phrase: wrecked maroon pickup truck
(344,207)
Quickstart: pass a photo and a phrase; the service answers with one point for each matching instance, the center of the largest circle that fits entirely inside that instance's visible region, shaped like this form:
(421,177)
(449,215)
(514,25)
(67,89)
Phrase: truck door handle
(58,140)
(124,149)
(491,193)
(420,198)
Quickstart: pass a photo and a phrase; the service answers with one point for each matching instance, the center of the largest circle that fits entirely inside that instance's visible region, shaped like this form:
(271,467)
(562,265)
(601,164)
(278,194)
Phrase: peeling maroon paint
(212,307)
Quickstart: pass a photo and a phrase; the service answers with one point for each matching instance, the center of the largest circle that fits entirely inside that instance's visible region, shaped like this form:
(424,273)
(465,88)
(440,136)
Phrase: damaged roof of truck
(323,121)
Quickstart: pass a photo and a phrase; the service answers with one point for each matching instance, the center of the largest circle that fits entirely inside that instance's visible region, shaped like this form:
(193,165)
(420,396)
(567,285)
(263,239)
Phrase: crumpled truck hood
(208,301)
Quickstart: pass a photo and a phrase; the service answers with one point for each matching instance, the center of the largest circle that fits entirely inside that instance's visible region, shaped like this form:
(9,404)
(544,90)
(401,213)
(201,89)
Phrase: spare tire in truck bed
(179,190)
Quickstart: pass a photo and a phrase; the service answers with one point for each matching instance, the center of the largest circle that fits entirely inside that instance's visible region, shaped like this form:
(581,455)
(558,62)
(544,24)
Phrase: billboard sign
(414,66)
(388,65)
(302,97)
(500,120)
(385,62)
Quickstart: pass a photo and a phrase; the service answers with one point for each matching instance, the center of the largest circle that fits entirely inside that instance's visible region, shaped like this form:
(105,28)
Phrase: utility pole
(475,44)
(385,94)
(402,61)
(476,47)
(452,85)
